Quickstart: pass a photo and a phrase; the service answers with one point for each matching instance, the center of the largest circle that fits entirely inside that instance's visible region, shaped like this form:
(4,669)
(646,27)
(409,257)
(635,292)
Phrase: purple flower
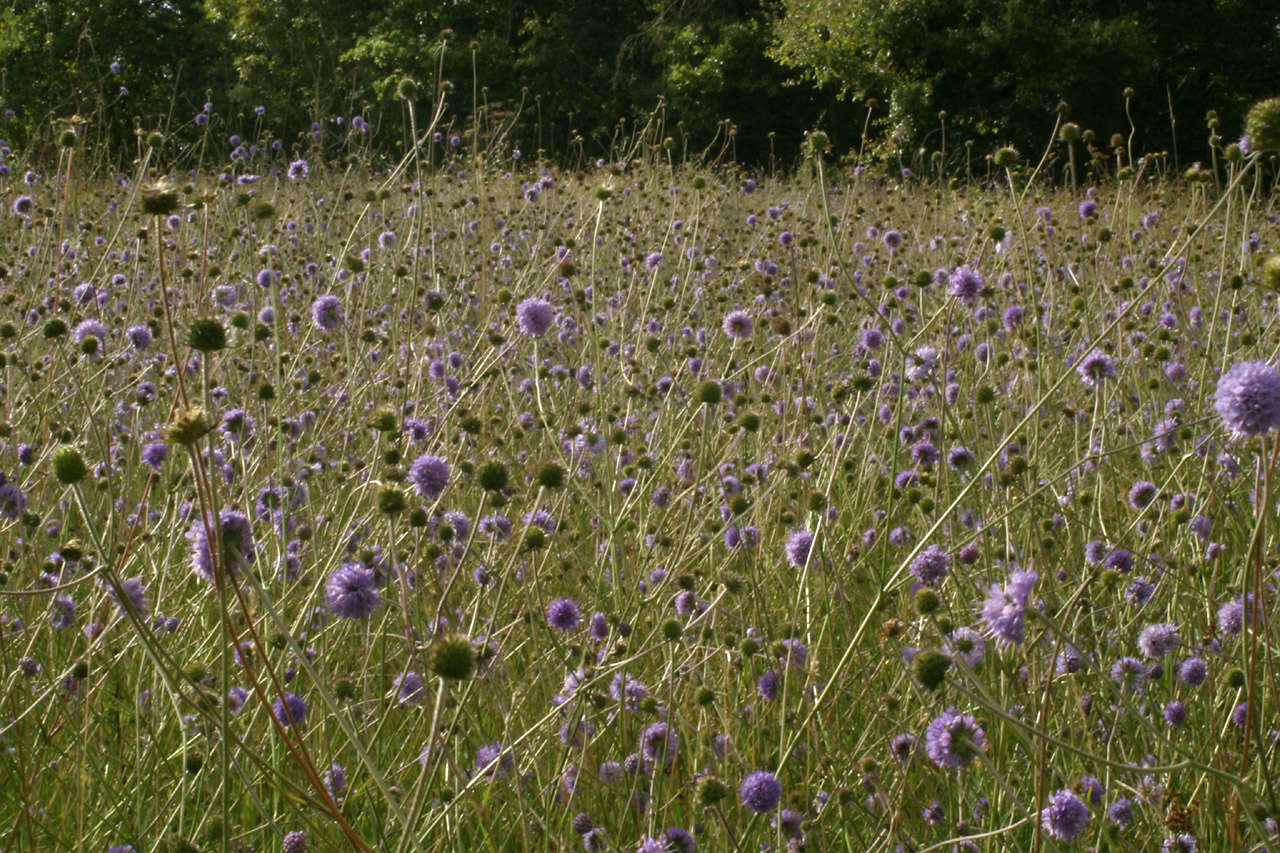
(767,685)
(967,645)
(1088,208)
(351,592)
(1095,367)
(902,747)
(1066,815)
(1121,812)
(1141,494)
(658,744)
(534,317)
(13,501)
(1193,671)
(798,546)
(760,791)
(653,260)
(953,739)
(931,565)
(1240,715)
(409,688)
(1175,714)
(1129,673)
(429,475)
(289,709)
(563,614)
(1158,640)
(1004,610)
(965,283)
(298,170)
(494,761)
(326,312)
(237,543)
(1248,398)
(738,324)
(134,592)
(294,842)
(1182,842)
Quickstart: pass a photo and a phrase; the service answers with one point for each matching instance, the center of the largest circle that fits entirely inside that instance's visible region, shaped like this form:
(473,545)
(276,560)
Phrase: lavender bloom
(13,501)
(1096,367)
(954,739)
(494,761)
(289,710)
(534,317)
(658,744)
(134,593)
(1248,398)
(965,283)
(930,565)
(1175,714)
(409,688)
(139,336)
(1158,640)
(298,170)
(1121,812)
(1193,671)
(902,747)
(237,543)
(1182,842)
(797,547)
(760,792)
(738,324)
(1141,494)
(326,312)
(563,614)
(967,645)
(1066,815)
(351,593)
(1129,673)
(429,475)
(1004,610)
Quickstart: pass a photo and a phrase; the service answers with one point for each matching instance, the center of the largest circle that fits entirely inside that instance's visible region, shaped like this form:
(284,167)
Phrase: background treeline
(909,82)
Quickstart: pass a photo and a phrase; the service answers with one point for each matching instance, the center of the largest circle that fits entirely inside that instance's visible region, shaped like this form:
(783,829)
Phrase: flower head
(1248,398)
(326,312)
(760,791)
(563,614)
(1066,815)
(534,317)
(931,565)
(429,475)
(798,546)
(351,592)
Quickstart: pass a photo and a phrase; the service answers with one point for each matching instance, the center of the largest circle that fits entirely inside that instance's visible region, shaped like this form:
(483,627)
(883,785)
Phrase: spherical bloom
(1193,671)
(289,709)
(965,283)
(295,842)
(1158,640)
(738,324)
(798,546)
(139,336)
(967,645)
(1175,714)
(1248,398)
(87,328)
(1182,842)
(653,260)
(1095,367)
(1066,815)
(13,501)
(658,744)
(326,312)
(1129,673)
(760,791)
(953,739)
(22,205)
(298,170)
(134,593)
(902,747)
(563,614)
(1121,812)
(1088,208)
(534,317)
(767,685)
(237,543)
(931,565)
(1240,715)
(351,592)
(1004,610)
(429,475)
(409,688)
(1142,493)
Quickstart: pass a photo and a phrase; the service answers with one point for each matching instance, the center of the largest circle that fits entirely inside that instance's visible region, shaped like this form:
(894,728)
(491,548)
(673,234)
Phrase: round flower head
(298,170)
(289,710)
(351,592)
(797,547)
(1004,610)
(738,324)
(563,614)
(326,312)
(429,475)
(1248,398)
(953,739)
(1066,815)
(1095,367)
(760,792)
(534,317)
(659,743)
(1158,640)
(965,283)
(931,565)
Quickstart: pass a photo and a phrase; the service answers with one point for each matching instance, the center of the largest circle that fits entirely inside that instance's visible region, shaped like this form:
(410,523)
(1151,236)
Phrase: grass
(639,440)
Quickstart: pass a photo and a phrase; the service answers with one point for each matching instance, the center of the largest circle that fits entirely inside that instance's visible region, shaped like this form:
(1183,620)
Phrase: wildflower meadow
(471,502)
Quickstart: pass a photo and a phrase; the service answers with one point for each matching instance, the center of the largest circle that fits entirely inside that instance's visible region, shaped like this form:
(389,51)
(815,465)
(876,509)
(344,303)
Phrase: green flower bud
(68,465)
(452,657)
(160,198)
(188,427)
(1007,157)
(930,668)
(1271,273)
(1263,125)
(206,335)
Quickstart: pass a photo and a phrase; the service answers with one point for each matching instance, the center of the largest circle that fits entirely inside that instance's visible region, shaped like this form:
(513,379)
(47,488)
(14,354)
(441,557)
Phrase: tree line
(914,83)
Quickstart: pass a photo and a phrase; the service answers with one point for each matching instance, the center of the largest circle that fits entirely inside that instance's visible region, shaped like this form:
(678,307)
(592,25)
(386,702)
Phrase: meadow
(470,504)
